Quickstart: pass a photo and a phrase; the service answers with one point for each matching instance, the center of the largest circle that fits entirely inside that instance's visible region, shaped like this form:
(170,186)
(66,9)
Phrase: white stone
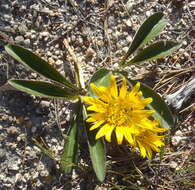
(14,167)
(173,164)
(27,42)
(57,52)
(44,173)
(18,177)
(130,5)
(176,140)
(125,49)
(44,34)
(51,61)
(128,22)
(178,133)
(59,62)
(19,39)
(33,129)
(148,13)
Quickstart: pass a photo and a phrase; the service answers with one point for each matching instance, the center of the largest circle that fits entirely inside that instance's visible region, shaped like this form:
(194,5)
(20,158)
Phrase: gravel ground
(99,32)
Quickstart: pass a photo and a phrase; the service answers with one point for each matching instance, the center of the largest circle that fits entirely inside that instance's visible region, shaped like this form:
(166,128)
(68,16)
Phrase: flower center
(118,113)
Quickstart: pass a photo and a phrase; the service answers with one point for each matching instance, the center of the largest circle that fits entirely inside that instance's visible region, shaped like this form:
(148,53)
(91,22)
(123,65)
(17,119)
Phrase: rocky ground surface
(99,32)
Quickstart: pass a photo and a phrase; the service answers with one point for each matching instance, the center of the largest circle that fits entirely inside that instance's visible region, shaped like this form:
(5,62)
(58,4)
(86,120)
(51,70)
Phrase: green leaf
(37,64)
(97,152)
(163,113)
(96,147)
(68,157)
(40,88)
(148,31)
(155,51)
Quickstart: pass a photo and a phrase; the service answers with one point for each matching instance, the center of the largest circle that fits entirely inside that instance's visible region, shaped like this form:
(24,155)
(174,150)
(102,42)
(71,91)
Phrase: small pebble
(125,49)
(173,164)
(14,166)
(178,133)
(33,129)
(44,34)
(184,43)
(176,140)
(130,5)
(129,38)
(59,62)
(18,177)
(44,173)
(2,153)
(45,103)
(22,29)
(57,52)
(19,39)
(12,130)
(148,13)
(27,42)
(51,61)
(128,22)
(90,52)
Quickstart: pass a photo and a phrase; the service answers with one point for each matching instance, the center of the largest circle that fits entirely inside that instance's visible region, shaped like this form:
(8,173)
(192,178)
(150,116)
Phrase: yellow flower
(124,112)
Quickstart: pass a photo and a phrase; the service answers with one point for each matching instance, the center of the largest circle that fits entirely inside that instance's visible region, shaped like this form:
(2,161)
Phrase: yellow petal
(96,104)
(155,148)
(97,108)
(96,117)
(142,149)
(134,129)
(119,134)
(128,136)
(92,101)
(147,101)
(142,113)
(136,88)
(101,92)
(96,125)
(149,152)
(140,93)
(109,133)
(113,87)
(147,124)
(123,90)
(102,131)
(88,99)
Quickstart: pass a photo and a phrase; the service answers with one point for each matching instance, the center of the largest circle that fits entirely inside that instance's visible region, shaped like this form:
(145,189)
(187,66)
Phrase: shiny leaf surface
(148,31)
(40,88)
(155,51)
(37,64)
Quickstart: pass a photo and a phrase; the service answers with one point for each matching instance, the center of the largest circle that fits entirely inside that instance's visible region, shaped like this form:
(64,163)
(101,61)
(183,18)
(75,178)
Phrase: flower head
(124,112)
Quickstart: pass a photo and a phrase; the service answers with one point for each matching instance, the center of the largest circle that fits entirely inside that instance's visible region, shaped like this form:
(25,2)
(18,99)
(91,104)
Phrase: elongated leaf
(68,157)
(37,64)
(97,147)
(163,113)
(148,31)
(155,51)
(40,88)
(97,152)
(98,155)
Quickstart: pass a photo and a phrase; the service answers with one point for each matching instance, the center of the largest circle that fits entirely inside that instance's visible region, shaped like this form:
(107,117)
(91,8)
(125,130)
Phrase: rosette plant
(112,107)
